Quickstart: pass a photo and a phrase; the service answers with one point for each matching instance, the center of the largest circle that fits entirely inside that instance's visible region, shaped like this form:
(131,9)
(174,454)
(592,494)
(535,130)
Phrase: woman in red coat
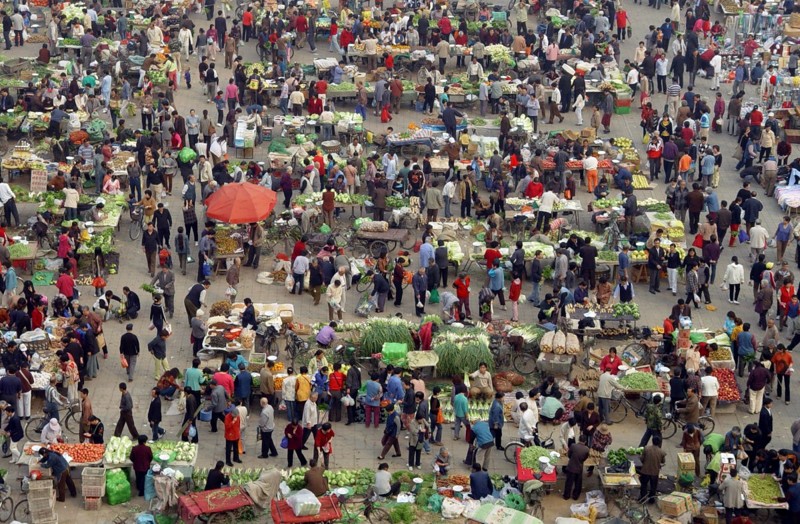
(345,40)
(233,433)
(294,436)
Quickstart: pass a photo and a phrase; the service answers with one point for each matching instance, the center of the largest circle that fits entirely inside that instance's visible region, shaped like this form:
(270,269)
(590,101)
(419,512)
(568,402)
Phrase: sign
(38,181)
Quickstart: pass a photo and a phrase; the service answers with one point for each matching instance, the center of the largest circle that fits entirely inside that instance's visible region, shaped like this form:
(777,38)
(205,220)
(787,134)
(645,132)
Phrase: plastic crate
(39,490)
(622,110)
(42,509)
(92,503)
(93,482)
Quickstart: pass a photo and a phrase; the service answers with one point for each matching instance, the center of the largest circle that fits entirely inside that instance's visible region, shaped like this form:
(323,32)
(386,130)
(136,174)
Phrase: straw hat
(603,429)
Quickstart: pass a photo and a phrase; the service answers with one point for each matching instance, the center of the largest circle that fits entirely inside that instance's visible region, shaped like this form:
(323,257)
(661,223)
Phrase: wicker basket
(257,362)
(38,346)
(93,482)
(794,20)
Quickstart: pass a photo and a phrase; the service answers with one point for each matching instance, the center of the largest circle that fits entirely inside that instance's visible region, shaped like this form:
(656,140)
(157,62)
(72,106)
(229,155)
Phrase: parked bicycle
(619,407)
(634,510)
(673,421)
(505,356)
(70,420)
(510,449)
(372,513)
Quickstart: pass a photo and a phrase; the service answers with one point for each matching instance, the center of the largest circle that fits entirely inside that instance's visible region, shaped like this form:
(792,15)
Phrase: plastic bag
(348,401)
(289,282)
(304,503)
(325,229)
(743,236)
(187,154)
(435,503)
(434,298)
(452,508)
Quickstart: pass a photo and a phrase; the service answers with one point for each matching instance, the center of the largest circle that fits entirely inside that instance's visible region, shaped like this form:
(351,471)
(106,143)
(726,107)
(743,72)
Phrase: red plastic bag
(698,241)
(124,362)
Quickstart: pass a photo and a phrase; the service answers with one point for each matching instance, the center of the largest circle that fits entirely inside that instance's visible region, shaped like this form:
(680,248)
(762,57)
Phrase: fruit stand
(762,492)
(80,455)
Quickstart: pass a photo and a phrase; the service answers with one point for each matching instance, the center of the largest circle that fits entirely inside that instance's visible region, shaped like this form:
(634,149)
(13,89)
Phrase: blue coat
(496,418)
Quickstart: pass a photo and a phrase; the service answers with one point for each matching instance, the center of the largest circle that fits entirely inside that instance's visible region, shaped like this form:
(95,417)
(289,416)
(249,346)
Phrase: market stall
(180,456)
(194,505)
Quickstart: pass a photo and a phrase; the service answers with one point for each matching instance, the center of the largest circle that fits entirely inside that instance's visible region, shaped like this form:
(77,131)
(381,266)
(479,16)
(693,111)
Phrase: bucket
(204,415)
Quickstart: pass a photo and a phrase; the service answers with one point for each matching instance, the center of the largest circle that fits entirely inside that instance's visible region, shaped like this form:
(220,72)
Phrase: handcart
(330,512)
(222,503)
(409,147)
(374,242)
(525,474)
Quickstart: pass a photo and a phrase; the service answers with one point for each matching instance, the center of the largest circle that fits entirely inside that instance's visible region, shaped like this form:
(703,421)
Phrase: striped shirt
(674,90)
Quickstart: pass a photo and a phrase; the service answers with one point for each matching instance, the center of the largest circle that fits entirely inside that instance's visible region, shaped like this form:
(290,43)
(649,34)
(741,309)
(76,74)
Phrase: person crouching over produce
(481,383)
(450,307)
(60,469)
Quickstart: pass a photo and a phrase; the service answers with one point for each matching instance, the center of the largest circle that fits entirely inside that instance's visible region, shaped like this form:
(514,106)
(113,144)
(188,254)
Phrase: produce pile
(722,353)
(728,388)
(221,308)
(763,489)
(606,203)
(360,479)
(181,451)
(560,343)
(228,241)
(530,333)
(461,352)
(83,453)
(454,252)
(452,480)
(396,202)
(499,54)
(239,477)
(638,256)
(640,181)
(627,309)
(20,250)
(654,205)
(376,331)
(607,255)
(104,240)
(639,382)
(619,456)
(529,457)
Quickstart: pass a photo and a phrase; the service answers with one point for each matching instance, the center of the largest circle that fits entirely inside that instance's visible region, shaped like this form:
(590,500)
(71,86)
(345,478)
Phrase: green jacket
(653,417)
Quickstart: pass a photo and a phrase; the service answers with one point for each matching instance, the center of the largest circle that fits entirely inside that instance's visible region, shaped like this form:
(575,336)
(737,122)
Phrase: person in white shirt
(299,270)
(716,63)
(9,202)
(288,389)
(448,192)
(527,423)
(568,434)
(709,391)
(605,388)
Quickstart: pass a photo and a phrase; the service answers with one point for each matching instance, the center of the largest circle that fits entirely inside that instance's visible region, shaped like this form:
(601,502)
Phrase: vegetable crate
(92,503)
(93,482)
(257,362)
(40,490)
(42,509)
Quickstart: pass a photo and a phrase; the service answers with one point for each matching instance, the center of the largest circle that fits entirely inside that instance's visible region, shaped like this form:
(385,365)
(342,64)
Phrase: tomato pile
(728,389)
(81,453)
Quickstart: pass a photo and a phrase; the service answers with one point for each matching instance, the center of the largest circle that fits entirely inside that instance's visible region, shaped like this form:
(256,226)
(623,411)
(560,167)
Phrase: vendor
(327,335)
(611,362)
(233,361)
(216,478)
(481,381)
(552,408)
(60,470)
(315,480)
(317,362)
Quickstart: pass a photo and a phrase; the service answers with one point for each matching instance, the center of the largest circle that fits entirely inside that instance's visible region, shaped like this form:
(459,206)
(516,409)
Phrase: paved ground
(355,447)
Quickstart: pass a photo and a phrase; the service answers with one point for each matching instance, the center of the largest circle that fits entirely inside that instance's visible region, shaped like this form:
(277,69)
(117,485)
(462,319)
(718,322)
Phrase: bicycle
(295,346)
(136,227)
(634,510)
(71,421)
(510,449)
(673,421)
(6,504)
(371,512)
(267,339)
(523,363)
(618,408)
(21,510)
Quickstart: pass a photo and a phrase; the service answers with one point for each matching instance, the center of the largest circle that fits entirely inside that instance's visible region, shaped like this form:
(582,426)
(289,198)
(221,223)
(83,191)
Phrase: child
(99,266)
(441,462)
(219,102)
(462,293)
(596,118)
(187,77)
(485,298)
(513,295)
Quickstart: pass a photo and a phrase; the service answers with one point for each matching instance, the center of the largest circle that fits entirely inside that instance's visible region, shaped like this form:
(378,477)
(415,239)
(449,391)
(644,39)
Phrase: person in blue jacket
(483,439)
(60,469)
(480,484)
(496,420)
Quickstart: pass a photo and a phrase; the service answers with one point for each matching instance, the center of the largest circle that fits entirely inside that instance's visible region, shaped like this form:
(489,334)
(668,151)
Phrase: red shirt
(687,134)
(334,29)
(294,434)
(66,286)
(516,289)
(444,26)
(314,106)
(622,18)
(608,365)
(756,117)
(247,18)
(301,24)
(141,456)
(322,438)
(37,319)
(462,288)
(299,247)
(534,189)
(346,38)
(336,381)
(224,380)
(389,62)
(233,430)
(491,255)
(322,88)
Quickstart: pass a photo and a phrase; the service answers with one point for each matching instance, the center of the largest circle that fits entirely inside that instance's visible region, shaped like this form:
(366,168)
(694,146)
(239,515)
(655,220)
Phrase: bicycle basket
(136,213)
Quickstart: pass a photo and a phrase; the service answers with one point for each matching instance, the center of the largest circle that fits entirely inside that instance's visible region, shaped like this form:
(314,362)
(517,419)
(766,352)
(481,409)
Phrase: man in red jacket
(233,433)
(462,293)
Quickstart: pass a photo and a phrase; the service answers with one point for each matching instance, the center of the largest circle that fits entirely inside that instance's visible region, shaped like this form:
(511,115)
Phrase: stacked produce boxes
(93,487)
(42,502)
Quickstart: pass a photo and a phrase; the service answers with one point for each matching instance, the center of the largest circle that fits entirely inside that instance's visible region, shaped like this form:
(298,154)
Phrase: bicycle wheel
(135,230)
(538,511)
(378,516)
(706,425)
(73,422)
(6,509)
(668,429)
(617,411)
(510,451)
(363,284)
(377,247)
(30,429)
(22,512)
(409,242)
(523,363)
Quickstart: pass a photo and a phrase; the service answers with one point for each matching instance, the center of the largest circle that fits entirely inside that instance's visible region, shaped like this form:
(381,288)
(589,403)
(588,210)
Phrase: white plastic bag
(452,508)
(289,283)
(304,503)
(348,401)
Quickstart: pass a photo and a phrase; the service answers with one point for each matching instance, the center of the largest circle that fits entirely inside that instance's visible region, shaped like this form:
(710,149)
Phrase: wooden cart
(372,243)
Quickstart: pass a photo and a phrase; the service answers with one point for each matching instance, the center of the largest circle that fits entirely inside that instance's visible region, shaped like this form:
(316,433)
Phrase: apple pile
(728,389)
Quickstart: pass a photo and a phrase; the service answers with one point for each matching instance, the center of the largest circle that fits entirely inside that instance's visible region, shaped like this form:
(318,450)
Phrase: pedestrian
(732,491)
(125,412)
(577,455)
(158,348)
(709,387)
(154,414)
(653,418)
(756,383)
(233,433)
(653,457)
(59,468)
(782,364)
(266,426)
(141,457)
(390,433)
(496,420)
(293,436)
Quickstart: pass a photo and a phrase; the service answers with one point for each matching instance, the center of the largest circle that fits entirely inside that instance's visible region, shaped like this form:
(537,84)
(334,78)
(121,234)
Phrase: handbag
(285,442)
(698,240)
(696,297)
(98,282)
(743,236)
(440,417)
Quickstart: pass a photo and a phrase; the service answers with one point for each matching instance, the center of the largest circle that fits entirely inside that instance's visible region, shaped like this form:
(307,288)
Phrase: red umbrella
(241,203)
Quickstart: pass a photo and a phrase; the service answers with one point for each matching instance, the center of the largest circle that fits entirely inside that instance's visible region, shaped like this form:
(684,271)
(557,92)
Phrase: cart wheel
(617,411)
(392,246)
(409,242)
(377,247)
(360,251)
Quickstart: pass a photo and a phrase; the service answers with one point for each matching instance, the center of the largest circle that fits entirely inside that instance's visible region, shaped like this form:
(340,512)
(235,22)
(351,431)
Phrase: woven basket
(794,21)
(38,346)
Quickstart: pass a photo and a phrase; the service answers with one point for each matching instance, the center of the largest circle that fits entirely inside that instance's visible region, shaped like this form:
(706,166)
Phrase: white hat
(199,313)
(53,423)
(23,347)
(771,114)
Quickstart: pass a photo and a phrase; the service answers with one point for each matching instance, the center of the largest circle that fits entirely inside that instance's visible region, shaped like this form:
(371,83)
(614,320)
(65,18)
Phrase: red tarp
(282,513)
(219,500)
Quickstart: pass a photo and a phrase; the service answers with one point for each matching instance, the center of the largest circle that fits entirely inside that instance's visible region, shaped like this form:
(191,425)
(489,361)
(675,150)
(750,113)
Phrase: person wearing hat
(51,433)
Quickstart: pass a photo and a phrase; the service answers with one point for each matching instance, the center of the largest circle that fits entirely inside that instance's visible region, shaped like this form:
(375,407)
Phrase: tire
(706,426)
(378,516)
(409,242)
(360,251)
(73,422)
(363,284)
(30,430)
(377,246)
(669,429)
(6,509)
(510,451)
(135,230)
(524,364)
(617,412)
(22,512)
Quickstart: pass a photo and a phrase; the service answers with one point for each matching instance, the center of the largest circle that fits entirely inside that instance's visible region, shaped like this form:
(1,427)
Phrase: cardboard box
(686,463)
(683,518)
(710,515)
(672,505)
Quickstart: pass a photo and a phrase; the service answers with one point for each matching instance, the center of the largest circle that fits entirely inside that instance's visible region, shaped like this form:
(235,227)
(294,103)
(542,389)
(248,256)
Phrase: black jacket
(154,411)
(381,285)
(765,422)
(129,344)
